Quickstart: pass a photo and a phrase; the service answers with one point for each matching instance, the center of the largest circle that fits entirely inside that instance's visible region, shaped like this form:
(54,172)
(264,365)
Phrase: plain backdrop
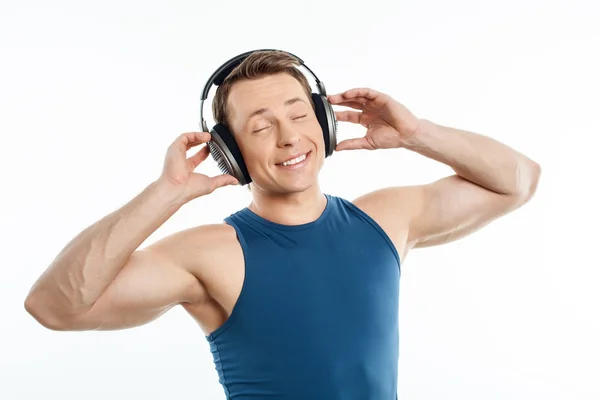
(92,93)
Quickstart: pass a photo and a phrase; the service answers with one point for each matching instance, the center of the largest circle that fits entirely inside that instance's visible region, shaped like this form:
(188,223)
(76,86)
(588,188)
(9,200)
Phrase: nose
(288,135)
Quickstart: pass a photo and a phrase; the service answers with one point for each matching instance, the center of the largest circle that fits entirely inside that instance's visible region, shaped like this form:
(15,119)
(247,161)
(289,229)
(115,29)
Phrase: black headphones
(223,147)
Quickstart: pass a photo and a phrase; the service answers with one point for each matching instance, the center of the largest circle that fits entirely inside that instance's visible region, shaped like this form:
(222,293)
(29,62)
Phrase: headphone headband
(218,77)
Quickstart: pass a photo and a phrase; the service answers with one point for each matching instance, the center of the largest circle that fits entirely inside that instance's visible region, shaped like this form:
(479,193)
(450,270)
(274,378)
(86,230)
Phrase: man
(297,294)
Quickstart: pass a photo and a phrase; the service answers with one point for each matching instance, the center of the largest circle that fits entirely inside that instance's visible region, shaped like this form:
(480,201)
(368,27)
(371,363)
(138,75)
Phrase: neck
(289,208)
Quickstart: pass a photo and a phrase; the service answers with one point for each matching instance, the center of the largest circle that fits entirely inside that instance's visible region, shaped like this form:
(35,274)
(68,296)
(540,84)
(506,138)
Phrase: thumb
(222,180)
(353,144)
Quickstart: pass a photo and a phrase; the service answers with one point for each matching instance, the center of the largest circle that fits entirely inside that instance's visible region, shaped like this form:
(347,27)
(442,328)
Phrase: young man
(297,294)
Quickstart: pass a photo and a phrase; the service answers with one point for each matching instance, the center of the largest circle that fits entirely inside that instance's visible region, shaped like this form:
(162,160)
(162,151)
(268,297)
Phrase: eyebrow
(289,102)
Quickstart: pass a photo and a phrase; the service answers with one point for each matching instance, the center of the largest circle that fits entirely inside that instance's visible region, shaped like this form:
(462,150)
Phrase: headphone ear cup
(225,151)
(327,120)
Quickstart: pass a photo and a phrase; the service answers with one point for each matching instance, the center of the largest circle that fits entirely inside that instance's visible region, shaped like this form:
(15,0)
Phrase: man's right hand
(178,171)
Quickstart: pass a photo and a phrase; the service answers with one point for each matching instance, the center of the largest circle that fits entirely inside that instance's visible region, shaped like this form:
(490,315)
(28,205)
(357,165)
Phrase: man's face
(278,133)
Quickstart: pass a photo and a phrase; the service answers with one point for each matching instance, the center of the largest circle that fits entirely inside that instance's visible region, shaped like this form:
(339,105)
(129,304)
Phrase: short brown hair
(257,65)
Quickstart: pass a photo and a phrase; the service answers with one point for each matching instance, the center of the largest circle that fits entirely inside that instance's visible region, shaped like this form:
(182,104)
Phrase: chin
(298,187)
(287,186)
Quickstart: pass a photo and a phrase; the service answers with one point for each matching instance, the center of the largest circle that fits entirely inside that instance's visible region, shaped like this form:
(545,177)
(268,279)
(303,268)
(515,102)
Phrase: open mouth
(295,163)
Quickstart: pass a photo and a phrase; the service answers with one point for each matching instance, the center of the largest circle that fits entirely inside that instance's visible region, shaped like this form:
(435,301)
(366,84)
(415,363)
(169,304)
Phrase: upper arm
(154,280)
(452,208)
(435,213)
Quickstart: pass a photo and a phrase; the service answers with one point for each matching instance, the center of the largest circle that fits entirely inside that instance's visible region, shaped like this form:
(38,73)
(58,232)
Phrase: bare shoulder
(392,209)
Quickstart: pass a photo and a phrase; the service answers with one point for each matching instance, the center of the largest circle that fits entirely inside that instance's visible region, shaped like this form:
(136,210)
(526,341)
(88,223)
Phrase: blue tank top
(317,317)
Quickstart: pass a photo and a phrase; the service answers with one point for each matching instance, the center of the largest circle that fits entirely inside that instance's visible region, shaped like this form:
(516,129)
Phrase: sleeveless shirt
(317,316)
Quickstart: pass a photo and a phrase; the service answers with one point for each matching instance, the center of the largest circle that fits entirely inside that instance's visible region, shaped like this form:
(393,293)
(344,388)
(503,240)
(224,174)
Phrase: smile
(295,160)
(295,163)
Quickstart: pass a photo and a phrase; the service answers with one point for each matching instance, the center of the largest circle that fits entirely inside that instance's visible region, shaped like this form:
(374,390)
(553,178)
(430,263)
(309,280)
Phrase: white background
(92,93)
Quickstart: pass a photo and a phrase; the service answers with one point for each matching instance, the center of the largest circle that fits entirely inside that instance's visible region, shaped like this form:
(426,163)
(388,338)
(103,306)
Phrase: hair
(257,65)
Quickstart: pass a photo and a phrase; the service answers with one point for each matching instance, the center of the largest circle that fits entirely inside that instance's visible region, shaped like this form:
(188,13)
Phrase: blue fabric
(317,317)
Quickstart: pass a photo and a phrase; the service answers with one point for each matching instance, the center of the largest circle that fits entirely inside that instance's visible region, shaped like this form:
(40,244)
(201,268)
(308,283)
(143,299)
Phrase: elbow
(534,179)
(529,178)
(39,310)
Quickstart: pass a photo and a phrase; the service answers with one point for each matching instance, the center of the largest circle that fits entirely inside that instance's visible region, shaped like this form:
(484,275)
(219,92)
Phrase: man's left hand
(389,124)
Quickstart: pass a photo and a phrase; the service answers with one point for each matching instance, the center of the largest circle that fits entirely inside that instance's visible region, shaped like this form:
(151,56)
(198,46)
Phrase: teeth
(295,160)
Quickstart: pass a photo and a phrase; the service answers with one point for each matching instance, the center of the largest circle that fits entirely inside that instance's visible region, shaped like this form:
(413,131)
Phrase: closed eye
(267,127)
(262,129)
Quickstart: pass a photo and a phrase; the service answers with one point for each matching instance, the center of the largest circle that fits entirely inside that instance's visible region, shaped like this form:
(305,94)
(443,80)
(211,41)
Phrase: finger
(188,137)
(188,140)
(198,138)
(348,116)
(353,117)
(353,104)
(353,144)
(199,157)
(363,103)
(355,93)
(222,180)
(368,100)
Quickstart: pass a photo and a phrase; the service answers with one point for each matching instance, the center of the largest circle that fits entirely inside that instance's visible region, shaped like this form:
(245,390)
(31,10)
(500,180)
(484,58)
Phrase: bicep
(149,285)
(451,208)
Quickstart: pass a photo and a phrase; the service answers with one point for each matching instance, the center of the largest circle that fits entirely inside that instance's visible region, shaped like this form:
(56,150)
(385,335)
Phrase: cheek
(255,153)
(317,135)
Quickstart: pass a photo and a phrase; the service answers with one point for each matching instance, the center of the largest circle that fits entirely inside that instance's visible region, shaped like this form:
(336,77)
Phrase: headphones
(223,147)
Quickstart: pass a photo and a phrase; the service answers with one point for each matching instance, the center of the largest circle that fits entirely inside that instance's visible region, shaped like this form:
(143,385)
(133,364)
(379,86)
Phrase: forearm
(477,158)
(90,262)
